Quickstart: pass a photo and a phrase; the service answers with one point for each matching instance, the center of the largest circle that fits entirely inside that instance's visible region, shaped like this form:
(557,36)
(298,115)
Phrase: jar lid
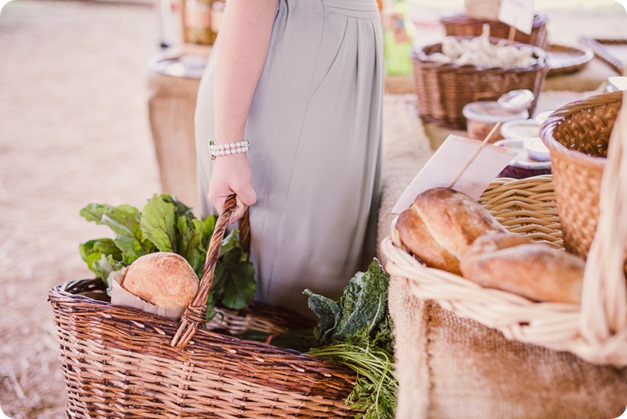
(522,158)
(516,99)
(521,129)
(536,149)
(491,112)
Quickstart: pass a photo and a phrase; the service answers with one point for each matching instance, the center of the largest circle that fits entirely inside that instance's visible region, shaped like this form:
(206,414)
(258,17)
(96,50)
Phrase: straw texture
(577,136)
(122,362)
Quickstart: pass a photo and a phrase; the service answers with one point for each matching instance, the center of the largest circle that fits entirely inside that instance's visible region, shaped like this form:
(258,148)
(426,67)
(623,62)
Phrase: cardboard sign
(517,13)
(447,164)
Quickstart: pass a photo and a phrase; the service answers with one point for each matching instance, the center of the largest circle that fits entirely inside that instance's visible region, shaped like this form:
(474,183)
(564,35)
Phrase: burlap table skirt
(449,367)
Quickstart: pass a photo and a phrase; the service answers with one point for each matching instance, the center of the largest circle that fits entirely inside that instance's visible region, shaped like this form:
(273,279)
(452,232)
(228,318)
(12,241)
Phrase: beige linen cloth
(450,367)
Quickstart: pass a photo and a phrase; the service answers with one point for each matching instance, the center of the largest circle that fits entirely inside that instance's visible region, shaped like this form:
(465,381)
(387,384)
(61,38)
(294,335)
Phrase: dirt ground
(73,130)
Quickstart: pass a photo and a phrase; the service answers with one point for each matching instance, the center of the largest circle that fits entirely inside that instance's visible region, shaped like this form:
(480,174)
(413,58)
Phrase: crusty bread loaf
(536,270)
(164,279)
(415,236)
(441,224)
(491,242)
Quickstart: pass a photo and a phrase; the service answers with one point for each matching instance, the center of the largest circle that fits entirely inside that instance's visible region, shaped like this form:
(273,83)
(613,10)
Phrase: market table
(449,367)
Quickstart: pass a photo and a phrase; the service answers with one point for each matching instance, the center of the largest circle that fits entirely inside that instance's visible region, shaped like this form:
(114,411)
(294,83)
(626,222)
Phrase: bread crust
(164,279)
(536,271)
(454,219)
(415,236)
(441,224)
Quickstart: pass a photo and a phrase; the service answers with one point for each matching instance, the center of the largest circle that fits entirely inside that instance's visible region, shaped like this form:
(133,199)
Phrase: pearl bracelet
(220,150)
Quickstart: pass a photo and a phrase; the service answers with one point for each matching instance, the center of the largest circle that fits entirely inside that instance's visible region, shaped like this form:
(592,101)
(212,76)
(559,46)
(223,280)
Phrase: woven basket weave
(577,136)
(444,89)
(122,362)
(464,25)
(595,331)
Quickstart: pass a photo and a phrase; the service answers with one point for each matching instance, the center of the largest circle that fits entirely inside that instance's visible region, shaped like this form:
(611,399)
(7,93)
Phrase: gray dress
(315,133)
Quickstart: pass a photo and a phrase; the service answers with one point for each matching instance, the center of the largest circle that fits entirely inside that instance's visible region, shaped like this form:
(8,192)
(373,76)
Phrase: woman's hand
(232,175)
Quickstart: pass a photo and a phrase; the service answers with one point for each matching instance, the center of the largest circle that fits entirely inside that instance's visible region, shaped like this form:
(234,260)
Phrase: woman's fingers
(232,175)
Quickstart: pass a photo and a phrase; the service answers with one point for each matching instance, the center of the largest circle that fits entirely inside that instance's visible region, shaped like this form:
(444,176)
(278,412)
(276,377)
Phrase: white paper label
(448,160)
(517,13)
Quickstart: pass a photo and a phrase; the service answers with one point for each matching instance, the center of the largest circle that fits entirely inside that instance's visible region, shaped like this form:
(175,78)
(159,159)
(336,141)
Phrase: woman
(301,81)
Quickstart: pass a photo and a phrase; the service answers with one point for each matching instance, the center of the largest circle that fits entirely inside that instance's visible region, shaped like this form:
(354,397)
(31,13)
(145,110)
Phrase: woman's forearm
(244,39)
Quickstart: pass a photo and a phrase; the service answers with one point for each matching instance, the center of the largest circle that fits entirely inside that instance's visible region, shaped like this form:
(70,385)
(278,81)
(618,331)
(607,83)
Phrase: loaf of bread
(441,224)
(534,270)
(164,279)
(415,236)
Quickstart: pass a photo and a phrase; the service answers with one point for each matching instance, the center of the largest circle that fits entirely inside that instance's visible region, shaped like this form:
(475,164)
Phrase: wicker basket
(595,331)
(444,89)
(464,25)
(122,362)
(577,136)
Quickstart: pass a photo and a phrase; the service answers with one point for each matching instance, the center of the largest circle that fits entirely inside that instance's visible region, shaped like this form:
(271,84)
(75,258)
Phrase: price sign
(517,13)
(450,164)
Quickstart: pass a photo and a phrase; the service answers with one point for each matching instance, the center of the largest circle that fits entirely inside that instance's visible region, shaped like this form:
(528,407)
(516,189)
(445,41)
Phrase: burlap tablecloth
(449,367)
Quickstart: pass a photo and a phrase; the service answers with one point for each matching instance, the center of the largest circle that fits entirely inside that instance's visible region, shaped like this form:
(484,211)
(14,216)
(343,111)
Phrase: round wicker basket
(443,89)
(463,25)
(577,136)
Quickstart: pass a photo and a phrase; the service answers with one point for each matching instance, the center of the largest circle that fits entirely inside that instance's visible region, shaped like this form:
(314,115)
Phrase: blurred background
(96,101)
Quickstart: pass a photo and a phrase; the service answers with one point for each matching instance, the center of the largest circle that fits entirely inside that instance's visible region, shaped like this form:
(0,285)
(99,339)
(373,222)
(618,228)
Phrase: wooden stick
(472,158)
(512,33)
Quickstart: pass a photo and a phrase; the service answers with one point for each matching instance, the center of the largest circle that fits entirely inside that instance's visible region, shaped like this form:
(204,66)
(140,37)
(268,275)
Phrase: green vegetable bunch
(167,225)
(356,331)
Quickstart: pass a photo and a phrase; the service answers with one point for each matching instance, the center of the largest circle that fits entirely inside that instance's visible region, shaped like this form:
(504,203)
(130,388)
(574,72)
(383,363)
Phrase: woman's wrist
(228,149)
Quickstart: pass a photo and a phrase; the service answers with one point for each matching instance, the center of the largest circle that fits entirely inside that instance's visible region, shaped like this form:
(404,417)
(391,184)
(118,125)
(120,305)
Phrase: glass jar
(202,20)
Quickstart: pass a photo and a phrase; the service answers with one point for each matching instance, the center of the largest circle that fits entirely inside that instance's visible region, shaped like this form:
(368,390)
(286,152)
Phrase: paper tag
(121,297)
(517,13)
(448,160)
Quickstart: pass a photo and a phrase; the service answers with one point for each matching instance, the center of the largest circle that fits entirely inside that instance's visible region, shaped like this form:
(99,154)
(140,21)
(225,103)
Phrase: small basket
(122,362)
(444,89)
(463,25)
(577,136)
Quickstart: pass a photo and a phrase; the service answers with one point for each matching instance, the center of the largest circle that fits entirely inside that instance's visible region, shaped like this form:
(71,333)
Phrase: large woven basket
(577,136)
(444,89)
(122,362)
(595,331)
(463,25)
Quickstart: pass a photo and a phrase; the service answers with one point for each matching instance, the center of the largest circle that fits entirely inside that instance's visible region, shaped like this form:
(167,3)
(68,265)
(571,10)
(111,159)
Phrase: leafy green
(361,307)
(102,257)
(158,224)
(165,224)
(356,331)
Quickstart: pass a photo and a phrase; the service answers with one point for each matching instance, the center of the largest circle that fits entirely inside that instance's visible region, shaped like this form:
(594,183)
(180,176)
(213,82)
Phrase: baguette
(534,270)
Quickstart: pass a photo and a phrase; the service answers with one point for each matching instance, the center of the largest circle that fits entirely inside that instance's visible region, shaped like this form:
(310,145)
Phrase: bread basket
(122,362)
(443,89)
(596,330)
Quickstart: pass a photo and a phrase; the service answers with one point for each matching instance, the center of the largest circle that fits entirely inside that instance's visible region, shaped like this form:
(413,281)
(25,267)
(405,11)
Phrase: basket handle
(604,301)
(194,314)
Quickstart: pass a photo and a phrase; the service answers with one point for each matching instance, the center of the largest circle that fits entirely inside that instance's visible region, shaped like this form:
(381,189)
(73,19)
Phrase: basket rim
(561,114)
(539,19)
(420,57)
